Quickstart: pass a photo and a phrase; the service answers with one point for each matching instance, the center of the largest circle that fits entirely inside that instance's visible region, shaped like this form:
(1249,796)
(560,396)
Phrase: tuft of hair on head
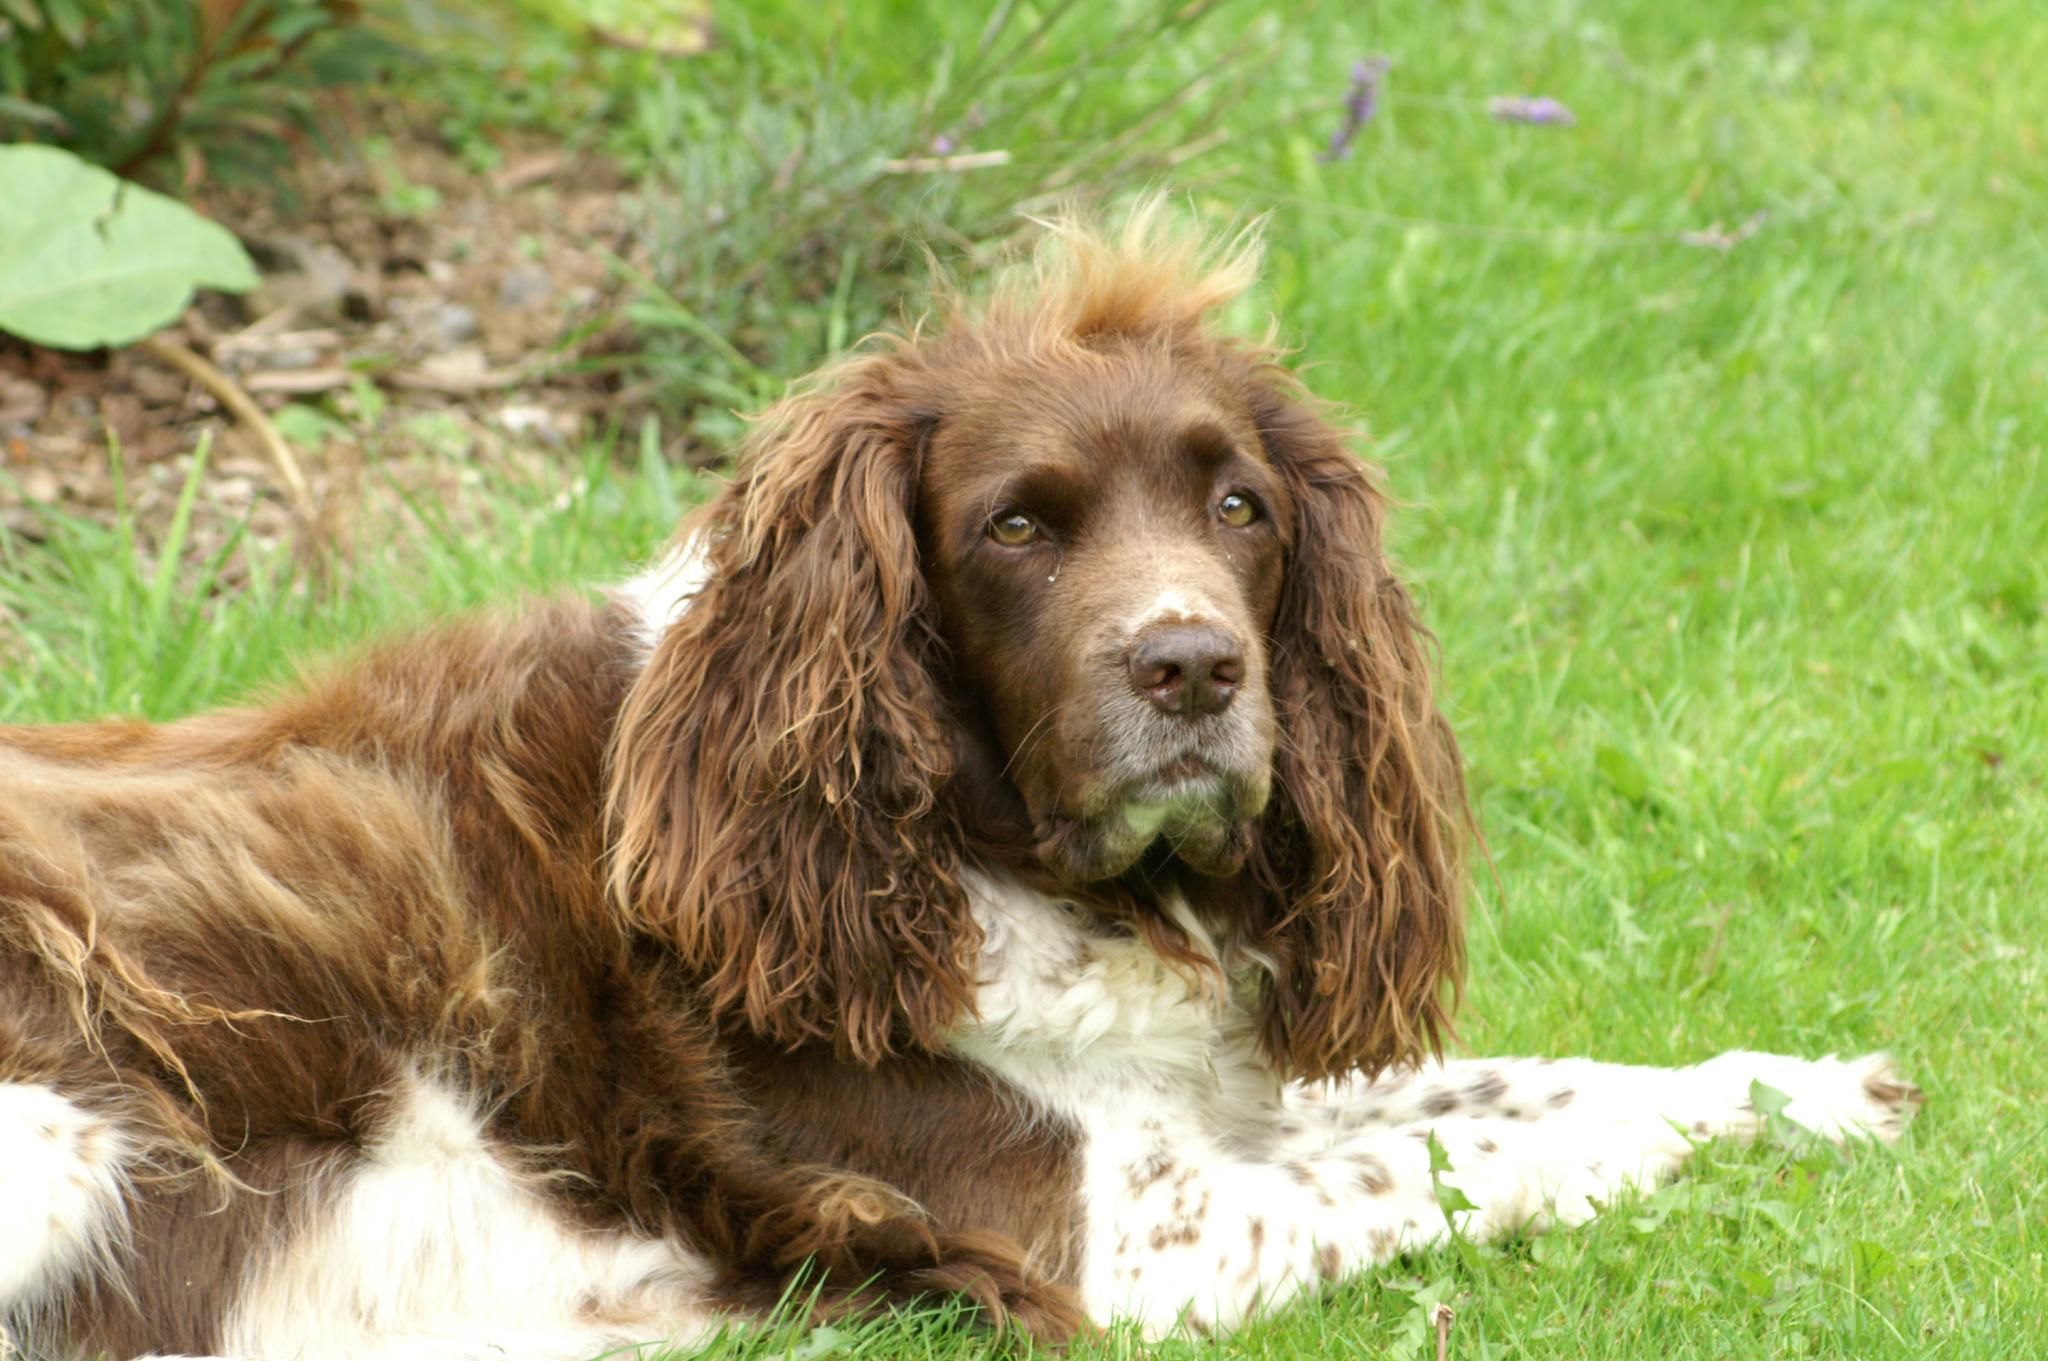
(782,769)
(1152,272)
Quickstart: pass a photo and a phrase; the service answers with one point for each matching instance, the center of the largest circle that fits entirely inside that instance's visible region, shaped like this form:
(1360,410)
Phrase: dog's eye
(1237,510)
(1014,529)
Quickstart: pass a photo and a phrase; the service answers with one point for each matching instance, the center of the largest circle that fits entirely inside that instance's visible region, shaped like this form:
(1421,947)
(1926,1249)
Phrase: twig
(270,341)
(529,171)
(1441,1316)
(694,42)
(926,165)
(456,384)
(1716,238)
(297,382)
(244,409)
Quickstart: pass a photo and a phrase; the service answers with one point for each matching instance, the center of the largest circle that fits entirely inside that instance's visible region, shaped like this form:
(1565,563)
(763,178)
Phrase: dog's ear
(776,768)
(1359,859)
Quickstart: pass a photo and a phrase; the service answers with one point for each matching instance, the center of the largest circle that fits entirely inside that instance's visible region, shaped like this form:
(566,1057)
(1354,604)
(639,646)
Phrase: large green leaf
(88,259)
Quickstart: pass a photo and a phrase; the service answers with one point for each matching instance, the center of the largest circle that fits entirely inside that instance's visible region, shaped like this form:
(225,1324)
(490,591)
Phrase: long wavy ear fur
(1359,861)
(776,768)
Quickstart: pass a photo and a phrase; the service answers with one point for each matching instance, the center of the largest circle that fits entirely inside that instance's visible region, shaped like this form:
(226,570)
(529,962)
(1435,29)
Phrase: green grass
(1740,564)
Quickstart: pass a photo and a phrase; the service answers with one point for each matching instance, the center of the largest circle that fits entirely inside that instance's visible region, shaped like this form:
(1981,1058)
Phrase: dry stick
(1442,1317)
(244,409)
(929,165)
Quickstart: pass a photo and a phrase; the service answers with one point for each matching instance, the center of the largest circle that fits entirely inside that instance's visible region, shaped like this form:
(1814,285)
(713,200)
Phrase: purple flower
(1540,111)
(1361,101)
(942,145)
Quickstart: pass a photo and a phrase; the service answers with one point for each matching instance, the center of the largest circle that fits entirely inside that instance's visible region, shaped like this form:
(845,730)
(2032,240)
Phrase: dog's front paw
(1889,1101)
(1839,1099)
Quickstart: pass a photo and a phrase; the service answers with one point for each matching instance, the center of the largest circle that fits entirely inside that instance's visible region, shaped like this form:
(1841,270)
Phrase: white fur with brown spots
(1211,1190)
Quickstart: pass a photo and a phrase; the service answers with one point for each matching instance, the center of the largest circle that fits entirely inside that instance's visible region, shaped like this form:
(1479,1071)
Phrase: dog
(1009,848)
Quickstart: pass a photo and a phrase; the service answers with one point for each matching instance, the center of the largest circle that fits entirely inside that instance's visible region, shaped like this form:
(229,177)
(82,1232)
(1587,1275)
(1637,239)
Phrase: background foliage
(1719,417)
(86,259)
(165,88)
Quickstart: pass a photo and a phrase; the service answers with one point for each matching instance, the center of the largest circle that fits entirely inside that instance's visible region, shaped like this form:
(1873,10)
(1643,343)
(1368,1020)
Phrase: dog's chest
(1157,1076)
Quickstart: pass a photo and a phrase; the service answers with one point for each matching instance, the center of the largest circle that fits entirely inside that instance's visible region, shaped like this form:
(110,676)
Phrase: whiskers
(1033,734)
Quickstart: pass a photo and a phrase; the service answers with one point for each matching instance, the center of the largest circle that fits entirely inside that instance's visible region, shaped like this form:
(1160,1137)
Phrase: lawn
(1719,422)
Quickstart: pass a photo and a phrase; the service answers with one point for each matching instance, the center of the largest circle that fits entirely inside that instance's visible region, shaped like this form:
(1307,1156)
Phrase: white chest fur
(1210,1189)
(1154,1069)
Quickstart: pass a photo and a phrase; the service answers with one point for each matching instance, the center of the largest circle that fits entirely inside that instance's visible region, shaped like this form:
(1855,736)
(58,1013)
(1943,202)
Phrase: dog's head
(1079,584)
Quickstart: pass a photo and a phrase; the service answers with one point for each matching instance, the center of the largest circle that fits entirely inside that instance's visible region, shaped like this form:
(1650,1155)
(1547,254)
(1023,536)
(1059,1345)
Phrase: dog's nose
(1187,669)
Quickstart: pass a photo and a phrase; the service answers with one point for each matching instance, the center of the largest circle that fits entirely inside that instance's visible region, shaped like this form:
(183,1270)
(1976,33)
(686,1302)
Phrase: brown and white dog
(1009,849)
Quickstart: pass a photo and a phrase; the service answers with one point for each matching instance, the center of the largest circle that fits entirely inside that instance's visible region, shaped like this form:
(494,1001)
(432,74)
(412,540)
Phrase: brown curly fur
(784,775)
(691,924)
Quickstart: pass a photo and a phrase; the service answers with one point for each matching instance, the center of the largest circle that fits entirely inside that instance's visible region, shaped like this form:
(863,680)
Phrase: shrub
(782,188)
(152,87)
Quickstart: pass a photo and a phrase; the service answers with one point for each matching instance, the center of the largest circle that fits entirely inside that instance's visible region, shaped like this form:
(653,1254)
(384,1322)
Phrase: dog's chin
(1206,826)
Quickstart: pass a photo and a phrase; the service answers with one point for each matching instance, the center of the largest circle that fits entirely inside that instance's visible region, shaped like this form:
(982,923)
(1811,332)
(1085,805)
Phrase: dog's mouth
(1184,770)
(1186,808)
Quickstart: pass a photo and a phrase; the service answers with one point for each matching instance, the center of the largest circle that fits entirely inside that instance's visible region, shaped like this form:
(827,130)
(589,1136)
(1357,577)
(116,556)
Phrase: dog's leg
(1194,1232)
(432,1242)
(1188,1234)
(63,1183)
(1837,1098)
